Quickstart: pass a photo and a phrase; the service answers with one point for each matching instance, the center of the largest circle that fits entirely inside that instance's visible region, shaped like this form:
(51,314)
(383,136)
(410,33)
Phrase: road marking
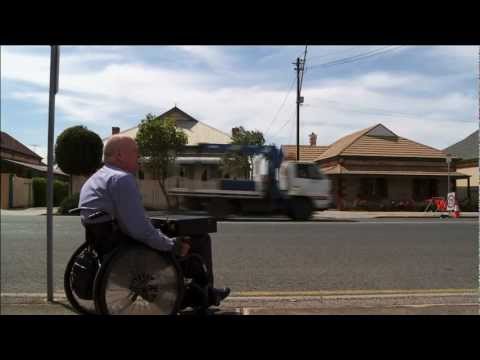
(352,292)
(351,221)
(303,293)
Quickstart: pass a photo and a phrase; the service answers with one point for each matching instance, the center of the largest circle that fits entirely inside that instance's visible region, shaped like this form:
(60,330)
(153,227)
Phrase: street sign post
(54,72)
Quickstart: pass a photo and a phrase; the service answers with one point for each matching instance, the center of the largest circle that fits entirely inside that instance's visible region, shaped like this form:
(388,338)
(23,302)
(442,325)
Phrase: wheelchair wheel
(137,280)
(80,305)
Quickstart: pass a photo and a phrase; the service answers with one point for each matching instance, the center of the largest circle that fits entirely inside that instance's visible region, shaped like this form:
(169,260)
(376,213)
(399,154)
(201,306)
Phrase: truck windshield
(309,171)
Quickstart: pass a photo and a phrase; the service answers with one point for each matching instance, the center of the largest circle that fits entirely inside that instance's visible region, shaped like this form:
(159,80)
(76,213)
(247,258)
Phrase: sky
(428,94)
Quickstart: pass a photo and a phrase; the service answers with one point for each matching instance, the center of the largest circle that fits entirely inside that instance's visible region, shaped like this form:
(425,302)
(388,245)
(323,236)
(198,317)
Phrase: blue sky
(428,94)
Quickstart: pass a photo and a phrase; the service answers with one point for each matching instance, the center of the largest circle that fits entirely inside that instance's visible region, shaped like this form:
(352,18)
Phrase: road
(282,256)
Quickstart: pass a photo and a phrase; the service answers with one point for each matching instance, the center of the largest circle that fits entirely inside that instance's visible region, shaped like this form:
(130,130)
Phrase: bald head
(121,151)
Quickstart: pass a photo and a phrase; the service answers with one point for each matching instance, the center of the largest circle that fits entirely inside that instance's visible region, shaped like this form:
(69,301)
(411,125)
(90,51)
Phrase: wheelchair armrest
(97,214)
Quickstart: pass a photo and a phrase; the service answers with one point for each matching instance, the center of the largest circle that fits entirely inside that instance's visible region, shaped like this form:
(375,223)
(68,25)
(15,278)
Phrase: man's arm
(131,215)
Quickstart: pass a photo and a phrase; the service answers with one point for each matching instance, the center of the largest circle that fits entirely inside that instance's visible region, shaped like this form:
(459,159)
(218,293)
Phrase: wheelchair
(112,274)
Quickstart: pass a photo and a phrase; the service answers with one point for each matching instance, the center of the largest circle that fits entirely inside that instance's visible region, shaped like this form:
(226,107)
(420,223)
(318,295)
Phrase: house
(376,165)
(466,151)
(194,169)
(19,165)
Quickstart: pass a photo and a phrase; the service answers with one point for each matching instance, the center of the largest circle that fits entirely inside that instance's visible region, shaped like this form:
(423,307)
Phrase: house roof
(377,140)
(307,152)
(466,149)
(41,168)
(196,131)
(9,143)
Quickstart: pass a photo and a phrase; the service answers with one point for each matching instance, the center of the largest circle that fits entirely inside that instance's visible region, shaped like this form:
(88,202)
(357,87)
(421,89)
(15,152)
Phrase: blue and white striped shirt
(116,192)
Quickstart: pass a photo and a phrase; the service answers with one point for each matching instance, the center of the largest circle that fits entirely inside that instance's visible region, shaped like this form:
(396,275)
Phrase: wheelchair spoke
(141,281)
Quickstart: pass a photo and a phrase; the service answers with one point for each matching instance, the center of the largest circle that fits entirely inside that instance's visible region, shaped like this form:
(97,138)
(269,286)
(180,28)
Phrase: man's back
(115,191)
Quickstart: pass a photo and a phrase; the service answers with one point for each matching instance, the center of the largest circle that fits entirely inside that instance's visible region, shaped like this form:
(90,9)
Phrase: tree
(159,141)
(78,151)
(238,164)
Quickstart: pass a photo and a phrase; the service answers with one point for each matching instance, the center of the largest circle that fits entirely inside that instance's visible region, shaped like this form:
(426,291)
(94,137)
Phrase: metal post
(54,68)
(298,109)
(448,178)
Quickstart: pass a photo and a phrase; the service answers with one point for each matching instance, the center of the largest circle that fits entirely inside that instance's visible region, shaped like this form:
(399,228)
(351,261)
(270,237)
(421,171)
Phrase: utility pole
(299,67)
(298,107)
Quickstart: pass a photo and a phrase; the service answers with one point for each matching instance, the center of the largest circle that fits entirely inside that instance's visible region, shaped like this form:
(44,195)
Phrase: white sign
(451,201)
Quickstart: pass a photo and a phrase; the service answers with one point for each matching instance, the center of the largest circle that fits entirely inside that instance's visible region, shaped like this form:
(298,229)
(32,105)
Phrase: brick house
(380,167)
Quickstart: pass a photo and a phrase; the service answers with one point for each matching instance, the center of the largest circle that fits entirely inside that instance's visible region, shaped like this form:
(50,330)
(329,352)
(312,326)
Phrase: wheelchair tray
(184,225)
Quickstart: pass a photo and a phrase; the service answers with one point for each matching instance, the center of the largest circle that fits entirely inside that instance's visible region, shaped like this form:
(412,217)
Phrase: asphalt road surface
(282,255)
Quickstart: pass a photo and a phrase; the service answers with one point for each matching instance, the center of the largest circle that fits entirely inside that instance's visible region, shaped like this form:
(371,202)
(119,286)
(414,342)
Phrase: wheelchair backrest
(104,237)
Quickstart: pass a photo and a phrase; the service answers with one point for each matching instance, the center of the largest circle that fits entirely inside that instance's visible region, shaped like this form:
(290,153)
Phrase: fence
(153,197)
(17,192)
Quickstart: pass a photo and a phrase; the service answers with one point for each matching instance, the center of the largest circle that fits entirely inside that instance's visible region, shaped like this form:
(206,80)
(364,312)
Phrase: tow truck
(292,188)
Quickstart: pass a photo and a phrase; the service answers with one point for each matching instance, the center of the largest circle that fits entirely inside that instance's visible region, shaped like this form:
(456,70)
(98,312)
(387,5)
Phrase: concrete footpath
(387,302)
(319,215)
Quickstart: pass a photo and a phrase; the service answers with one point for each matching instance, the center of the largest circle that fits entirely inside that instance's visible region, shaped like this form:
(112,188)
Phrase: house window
(373,188)
(424,189)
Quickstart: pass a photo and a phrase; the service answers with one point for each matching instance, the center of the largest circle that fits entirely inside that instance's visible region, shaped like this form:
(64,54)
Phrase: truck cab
(305,179)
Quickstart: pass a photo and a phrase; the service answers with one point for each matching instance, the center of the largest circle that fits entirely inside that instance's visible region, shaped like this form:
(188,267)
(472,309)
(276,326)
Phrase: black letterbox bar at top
(182,225)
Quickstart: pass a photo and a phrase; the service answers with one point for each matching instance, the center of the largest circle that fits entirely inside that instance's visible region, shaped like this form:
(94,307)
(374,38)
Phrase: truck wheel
(219,208)
(300,209)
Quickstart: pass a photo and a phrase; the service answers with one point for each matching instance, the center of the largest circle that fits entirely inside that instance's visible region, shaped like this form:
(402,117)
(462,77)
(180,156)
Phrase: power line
(330,53)
(290,118)
(355,58)
(281,106)
(365,109)
(377,111)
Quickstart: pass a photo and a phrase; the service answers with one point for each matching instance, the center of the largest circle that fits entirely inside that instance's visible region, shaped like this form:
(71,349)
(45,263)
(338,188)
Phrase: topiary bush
(69,203)
(78,151)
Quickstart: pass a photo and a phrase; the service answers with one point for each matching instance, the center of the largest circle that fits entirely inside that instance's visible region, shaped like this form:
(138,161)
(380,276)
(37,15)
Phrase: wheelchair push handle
(95,215)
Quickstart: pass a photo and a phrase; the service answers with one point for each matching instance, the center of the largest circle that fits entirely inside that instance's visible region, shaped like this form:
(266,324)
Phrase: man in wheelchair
(113,189)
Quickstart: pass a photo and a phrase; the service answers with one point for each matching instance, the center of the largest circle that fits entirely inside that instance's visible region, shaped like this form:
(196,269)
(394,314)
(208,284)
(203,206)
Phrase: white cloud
(212,56)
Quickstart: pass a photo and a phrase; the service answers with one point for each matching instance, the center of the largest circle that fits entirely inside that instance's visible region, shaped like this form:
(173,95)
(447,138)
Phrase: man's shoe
(218,295)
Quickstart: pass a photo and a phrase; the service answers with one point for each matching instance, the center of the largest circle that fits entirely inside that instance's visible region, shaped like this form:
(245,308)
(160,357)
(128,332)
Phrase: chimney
(313,139)
(115,130)
(235,131)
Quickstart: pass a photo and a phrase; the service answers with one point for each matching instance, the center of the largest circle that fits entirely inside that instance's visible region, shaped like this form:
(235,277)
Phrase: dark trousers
(202,246)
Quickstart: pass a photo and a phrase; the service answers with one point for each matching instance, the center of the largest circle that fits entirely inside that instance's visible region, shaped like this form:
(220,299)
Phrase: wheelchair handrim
(80,305)
(139,281)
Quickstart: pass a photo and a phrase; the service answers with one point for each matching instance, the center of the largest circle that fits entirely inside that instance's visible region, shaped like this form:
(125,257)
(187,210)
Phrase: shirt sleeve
(131,216)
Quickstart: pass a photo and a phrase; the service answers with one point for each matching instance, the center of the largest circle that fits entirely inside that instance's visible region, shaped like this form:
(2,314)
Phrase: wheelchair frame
(171,227)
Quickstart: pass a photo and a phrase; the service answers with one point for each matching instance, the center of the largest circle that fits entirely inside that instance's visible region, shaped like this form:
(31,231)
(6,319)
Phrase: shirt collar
(110,166)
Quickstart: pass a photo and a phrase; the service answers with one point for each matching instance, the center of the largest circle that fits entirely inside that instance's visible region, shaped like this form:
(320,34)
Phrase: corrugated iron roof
(466,148)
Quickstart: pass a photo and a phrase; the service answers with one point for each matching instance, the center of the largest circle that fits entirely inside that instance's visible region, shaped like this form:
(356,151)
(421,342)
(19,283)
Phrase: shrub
(69,203)
(39,191)
(60,191)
